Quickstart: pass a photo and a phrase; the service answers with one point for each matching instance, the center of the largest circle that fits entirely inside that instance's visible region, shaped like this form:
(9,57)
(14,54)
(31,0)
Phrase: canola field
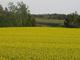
(39,43)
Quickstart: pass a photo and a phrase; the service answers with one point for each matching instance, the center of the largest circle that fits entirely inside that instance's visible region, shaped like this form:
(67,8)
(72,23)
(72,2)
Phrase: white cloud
(49,6)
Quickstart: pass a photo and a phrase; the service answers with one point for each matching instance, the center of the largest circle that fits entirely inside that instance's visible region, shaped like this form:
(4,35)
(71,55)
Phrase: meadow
(49,22)
(39,43)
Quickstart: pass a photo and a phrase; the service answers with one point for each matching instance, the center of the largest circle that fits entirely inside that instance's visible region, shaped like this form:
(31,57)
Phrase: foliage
(15,15)
(72,20)
(50,16)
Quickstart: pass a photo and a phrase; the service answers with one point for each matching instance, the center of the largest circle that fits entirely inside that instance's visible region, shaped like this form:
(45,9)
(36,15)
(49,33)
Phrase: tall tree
(22,14)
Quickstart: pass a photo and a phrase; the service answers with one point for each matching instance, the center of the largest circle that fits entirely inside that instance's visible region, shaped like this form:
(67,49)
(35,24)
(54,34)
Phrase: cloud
(49,6)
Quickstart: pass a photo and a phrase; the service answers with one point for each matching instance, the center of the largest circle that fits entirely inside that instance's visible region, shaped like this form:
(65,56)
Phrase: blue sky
(49,6)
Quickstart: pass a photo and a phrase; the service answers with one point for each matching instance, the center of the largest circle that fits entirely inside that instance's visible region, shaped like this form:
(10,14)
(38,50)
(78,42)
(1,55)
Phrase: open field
(46,20)
(37,43)
(49,22)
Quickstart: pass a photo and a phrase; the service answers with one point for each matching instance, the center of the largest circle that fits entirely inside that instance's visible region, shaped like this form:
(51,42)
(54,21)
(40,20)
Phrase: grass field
(49,22)
(46,20)
(39,43)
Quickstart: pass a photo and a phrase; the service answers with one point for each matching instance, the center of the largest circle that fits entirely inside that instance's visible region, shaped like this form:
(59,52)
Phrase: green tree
(2,21)
(21,13)
(72,20)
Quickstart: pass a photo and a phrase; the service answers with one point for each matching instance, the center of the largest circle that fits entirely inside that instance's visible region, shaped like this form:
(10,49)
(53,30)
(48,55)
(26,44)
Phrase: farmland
(39,43)
(49,22)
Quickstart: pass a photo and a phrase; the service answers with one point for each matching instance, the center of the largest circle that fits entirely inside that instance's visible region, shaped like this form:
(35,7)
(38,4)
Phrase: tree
(22,14)
(16,15)
(72,20)
(2,21)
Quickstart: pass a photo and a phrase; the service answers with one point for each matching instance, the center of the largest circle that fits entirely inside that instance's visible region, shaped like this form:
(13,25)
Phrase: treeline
(70,20)
(50,16)
(16,15)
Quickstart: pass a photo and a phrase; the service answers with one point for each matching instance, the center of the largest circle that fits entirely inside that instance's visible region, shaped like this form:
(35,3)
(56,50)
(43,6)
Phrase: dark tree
(16,15)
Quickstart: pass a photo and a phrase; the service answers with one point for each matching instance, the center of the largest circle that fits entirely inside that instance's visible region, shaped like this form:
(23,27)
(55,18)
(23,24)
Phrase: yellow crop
(39,43)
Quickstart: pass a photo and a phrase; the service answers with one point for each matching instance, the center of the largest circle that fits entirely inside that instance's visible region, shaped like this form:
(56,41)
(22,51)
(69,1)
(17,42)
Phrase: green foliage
(15,15)
(73,20)
(50,16)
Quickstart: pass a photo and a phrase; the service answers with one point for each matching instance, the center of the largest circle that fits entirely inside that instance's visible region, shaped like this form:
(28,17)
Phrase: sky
(49,6)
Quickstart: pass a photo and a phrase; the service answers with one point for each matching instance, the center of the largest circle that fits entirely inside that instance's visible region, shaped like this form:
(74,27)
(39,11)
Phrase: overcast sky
(49,6)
